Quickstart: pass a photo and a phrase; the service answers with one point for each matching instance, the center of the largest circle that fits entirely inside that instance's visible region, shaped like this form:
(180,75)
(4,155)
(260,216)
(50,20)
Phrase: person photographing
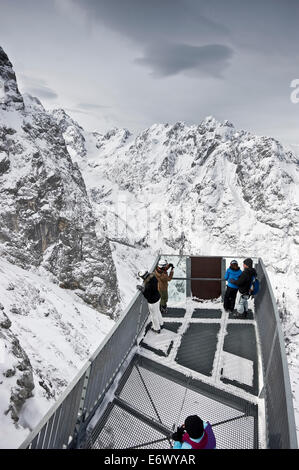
(194,434)
(163,278)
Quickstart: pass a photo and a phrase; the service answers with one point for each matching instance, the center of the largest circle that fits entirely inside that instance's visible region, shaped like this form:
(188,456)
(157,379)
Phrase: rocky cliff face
(45,215)
(16,369)
(10,96)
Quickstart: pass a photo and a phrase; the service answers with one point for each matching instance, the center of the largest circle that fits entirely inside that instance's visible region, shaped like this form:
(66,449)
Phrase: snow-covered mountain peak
(45,215)
(32,103)
(64,120)
(10,97)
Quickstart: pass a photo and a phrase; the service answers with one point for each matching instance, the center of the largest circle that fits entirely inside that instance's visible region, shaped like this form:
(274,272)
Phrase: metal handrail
(286,376)
(81,373)
(163,255)
(198,279)
(55,407)
(84,371)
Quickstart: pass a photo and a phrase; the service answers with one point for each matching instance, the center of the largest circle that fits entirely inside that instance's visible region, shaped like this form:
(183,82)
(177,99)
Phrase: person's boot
(156,331)
(163,309)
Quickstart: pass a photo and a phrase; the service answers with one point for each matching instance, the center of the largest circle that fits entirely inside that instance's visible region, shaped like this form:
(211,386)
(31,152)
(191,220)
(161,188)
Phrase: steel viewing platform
(139,386)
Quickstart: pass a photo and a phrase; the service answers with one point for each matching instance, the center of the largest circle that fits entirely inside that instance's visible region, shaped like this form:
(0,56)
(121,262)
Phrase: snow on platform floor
(199,341)
(205,335)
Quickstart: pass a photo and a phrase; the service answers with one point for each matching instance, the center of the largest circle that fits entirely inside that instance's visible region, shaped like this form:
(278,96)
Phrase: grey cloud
(92,106)
(38,87)
(173,59)
(174,35)
(148,21)
(43,92)
(77,110)
(262,26)
(88,108)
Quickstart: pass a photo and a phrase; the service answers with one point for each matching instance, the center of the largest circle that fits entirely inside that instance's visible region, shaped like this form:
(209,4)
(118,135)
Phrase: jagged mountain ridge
(216,174)
(201,189)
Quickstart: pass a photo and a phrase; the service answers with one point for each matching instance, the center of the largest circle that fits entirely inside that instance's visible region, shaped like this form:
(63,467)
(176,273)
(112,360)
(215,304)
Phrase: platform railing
(280,420)
(70,415)
(65,422)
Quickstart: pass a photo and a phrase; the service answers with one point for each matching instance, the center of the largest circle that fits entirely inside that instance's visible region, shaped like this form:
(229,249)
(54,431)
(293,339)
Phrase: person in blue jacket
(232,274)
(194,434)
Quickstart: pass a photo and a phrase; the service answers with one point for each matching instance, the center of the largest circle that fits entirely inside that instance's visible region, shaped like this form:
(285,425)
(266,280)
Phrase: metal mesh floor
(174,312)
(198,347)
(211,356)
(122,430)
(148,406)
(207,313)
(241,340)
(249,315)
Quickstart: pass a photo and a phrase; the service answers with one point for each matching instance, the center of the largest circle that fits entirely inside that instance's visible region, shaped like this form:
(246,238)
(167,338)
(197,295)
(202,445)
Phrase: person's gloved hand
(141,288)
(178,435)
(171,266)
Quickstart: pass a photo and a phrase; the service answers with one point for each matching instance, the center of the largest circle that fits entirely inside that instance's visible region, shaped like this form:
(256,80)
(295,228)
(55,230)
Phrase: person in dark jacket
(232,273)
(244,284)
(194,434)
(152,295)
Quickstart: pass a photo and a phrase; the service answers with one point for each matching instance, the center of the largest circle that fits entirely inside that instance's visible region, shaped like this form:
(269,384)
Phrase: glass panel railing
(177,287)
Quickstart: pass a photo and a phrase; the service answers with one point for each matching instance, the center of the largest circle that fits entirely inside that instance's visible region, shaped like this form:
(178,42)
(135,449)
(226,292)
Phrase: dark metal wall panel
(144,312)
(265,317)
(41,436)
(49,431)
(206,267)
(276,405)
(280,421)
(68,416)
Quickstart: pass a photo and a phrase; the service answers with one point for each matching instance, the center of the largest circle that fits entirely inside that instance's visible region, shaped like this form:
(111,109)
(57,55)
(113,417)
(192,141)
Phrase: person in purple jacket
(194,434)
(232,274)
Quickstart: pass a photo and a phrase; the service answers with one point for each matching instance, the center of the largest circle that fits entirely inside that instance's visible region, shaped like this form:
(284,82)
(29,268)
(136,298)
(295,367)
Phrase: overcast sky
(132,63)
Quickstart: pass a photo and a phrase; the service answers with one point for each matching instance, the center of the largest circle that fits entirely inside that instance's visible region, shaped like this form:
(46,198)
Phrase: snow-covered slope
(205,189)
(46,335)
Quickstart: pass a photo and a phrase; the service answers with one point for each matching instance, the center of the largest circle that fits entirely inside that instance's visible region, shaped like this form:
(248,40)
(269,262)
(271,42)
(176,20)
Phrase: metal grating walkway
(138,386)
(196,371)
(151,402)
